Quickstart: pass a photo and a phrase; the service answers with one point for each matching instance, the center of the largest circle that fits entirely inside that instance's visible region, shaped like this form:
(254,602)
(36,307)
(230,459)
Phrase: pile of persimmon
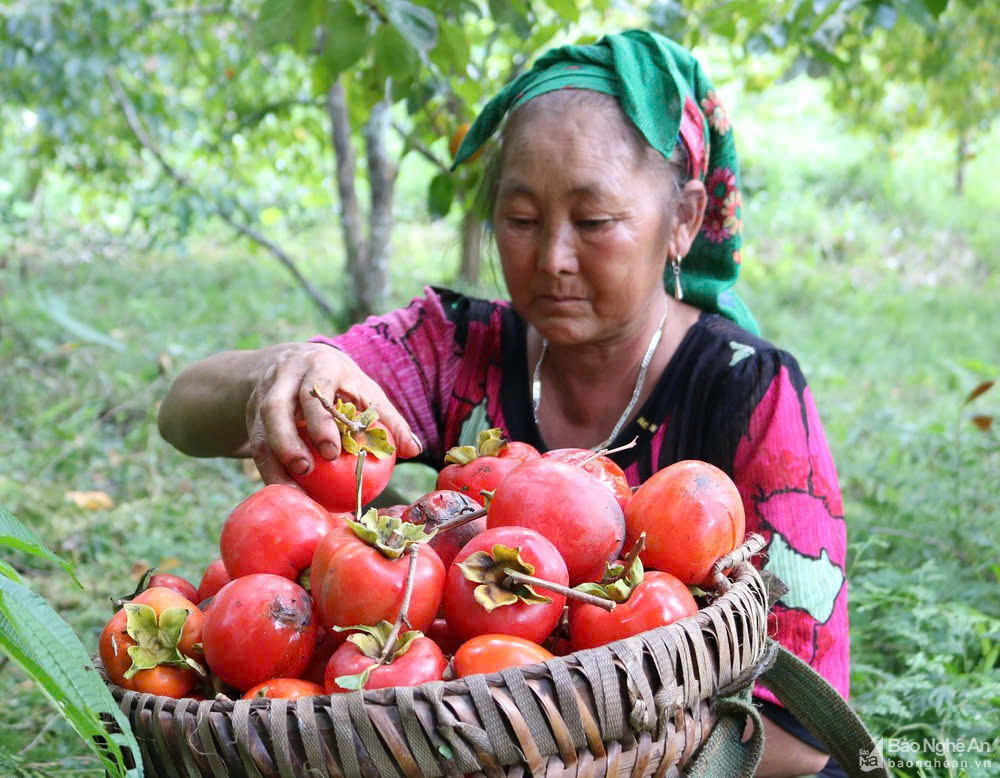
(516,556)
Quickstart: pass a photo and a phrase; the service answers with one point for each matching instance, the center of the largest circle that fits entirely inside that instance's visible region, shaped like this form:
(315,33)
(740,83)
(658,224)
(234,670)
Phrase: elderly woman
(613,182)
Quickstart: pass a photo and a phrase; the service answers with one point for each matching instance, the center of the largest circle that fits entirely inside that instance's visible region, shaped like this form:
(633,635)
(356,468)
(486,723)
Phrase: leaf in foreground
(37,639)
(16,535)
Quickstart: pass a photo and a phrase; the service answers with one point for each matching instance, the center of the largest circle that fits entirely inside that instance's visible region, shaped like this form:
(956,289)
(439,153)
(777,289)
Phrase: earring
(676,267)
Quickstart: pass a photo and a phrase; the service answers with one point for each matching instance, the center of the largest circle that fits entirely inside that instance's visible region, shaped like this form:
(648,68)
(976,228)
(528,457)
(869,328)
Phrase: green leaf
(8,570)
(279,21)
(917,11)
(355,682)
(55,308)
(16,535)
(936,7)
(394,56)
(567,9)
(440,195)
(39,642)
(452,51)
(347,38)
(415,23)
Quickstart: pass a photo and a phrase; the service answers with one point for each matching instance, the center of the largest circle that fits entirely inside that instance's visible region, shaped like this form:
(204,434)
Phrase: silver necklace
(536,383)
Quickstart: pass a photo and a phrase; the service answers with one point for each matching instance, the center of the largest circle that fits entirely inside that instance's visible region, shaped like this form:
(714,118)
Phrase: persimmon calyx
(371,641)
(390,535)
(488,444)
(155,638)
(617,585)
(373,439)
(490,571)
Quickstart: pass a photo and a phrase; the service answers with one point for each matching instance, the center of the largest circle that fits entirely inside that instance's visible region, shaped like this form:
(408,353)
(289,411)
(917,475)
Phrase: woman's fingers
(270,417)
(362,391)
(320,426)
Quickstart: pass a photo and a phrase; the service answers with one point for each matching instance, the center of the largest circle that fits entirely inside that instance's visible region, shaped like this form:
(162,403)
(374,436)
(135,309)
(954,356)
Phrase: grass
(859,260)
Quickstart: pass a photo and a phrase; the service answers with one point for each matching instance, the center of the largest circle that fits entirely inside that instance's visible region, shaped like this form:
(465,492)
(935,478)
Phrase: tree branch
(135,123)
(419,147)
(350,213)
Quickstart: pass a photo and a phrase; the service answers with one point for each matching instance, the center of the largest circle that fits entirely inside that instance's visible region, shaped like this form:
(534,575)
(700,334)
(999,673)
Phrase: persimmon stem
(541,583)
(403,617)
(605,451)
(640,544)
(351,424)
(459,520)
(359,480)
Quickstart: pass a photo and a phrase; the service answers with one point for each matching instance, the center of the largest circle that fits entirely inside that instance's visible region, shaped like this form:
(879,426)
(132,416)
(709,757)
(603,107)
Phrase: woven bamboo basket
(634,708)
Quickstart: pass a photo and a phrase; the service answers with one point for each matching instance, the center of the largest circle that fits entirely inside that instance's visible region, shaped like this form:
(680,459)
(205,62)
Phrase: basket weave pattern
(636,707)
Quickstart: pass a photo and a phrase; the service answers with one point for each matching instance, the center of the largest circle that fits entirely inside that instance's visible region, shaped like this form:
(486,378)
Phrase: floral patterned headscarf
(664,92)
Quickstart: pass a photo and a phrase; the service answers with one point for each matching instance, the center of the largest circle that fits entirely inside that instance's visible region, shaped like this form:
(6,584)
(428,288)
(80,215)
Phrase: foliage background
(861,260)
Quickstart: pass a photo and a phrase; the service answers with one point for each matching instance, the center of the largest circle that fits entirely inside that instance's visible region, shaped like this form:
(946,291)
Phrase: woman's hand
(244,403)
(285,385)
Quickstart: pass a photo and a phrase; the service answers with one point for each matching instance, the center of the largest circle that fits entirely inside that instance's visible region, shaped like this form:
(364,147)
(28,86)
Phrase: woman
(614,175)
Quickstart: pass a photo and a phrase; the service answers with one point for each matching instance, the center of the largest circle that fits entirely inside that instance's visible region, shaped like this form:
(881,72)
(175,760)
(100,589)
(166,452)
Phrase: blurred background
(178,178)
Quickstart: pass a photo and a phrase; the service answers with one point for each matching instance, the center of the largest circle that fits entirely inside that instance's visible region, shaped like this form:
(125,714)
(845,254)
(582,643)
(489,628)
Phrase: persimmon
(692,514)
(151,644)
(456,140)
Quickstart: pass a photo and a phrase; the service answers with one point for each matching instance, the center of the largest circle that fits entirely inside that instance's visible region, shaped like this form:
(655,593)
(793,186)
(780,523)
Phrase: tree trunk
(373,285)
(961,155)
(471,248)
(350,214)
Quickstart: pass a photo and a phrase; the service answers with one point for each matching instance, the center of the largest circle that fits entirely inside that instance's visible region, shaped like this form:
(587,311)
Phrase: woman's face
(581,227)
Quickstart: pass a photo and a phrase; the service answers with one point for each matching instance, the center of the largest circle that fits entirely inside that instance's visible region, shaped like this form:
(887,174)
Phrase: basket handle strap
(723,754)
(827,715)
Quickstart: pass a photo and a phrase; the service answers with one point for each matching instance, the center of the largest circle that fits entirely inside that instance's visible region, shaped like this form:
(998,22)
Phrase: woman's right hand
(285,384)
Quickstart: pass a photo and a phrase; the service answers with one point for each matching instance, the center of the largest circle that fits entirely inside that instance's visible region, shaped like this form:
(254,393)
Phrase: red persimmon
(658,600)
(601,467)
(473,469)
(259,627)
(332,483)
(361,581)
(417,660)
(479,598)
(275,530)
(180,585)
(440,506)
(215,578)
(283,688)
(692,514)
(492,653)
(157,631)
(566,504)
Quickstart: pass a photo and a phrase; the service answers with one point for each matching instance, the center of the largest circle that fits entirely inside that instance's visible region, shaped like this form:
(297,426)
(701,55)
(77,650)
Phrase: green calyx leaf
(374,440)
(616,585)
(371,640)
(156,639)
(488,444)
(496,589)
(390,535)
(460,455)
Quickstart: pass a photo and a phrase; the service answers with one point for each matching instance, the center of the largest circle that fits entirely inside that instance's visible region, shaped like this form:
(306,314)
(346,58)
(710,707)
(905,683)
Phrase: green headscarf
(663,90)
